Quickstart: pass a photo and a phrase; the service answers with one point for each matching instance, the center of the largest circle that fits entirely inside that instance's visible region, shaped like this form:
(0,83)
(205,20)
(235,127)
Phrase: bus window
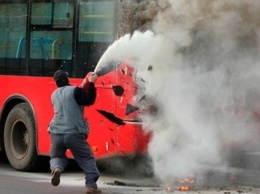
(51,45)
(96,21)
(13,18)
(41,14)
(63,15)
(96,32)
(54,14)
(51,37)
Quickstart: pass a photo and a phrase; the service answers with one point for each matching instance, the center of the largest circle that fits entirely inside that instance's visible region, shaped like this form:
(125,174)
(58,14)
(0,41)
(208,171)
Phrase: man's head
(61,78)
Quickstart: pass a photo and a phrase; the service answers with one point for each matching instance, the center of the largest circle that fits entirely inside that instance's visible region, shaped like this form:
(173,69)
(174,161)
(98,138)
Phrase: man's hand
(93,78)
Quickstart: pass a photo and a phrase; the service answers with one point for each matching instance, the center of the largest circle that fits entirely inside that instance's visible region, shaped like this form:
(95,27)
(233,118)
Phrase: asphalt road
(72,182)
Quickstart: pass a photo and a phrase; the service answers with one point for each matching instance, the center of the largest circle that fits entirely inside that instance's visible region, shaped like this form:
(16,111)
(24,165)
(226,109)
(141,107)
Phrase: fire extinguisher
(85,83)
(99,72)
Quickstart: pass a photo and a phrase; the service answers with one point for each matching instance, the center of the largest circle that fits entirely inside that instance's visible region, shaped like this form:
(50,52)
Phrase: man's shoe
(91,190)
(55,179)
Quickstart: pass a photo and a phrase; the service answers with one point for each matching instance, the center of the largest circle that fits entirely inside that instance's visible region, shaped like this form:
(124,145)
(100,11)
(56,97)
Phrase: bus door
(96,31)
(51,35)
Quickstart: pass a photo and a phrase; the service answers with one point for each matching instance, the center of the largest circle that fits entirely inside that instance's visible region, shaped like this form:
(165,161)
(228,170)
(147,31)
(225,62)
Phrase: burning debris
(110,116)
(212,181)
(130,109)
(150,68)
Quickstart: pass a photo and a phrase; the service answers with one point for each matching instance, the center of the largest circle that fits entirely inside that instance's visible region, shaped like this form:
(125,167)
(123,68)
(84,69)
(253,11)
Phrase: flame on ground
(184,188)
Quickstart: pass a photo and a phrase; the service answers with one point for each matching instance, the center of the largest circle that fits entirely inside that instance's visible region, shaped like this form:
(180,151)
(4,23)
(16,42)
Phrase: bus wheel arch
(20,137)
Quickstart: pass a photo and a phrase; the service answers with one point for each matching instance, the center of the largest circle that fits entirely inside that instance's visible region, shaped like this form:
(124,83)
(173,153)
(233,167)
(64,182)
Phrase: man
(69,130)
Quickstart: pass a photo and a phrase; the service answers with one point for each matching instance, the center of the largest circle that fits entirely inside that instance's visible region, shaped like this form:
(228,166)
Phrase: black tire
(20,138)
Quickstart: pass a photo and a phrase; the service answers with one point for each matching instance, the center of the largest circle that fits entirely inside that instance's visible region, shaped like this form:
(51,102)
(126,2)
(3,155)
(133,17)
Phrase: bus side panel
(35,91)
(102,131)
(123,138)
(131,139)
(105,136)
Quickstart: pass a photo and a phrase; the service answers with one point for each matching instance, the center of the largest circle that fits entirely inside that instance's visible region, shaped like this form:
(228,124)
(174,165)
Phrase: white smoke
(204,81)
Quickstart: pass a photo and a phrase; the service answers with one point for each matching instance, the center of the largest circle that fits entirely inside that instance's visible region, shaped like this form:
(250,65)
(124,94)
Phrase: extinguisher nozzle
(102,70)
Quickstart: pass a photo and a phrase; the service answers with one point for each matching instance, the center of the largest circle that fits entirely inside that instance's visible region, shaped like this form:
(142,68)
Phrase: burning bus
(178,78)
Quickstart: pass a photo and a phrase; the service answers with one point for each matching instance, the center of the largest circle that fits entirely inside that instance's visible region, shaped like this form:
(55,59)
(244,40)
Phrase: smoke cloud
(204,82)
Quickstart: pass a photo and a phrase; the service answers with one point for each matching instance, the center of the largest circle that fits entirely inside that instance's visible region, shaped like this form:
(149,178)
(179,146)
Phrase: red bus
(38,37)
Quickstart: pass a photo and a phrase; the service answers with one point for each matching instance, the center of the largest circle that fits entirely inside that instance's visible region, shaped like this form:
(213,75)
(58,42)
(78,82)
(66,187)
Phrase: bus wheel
(20,137)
